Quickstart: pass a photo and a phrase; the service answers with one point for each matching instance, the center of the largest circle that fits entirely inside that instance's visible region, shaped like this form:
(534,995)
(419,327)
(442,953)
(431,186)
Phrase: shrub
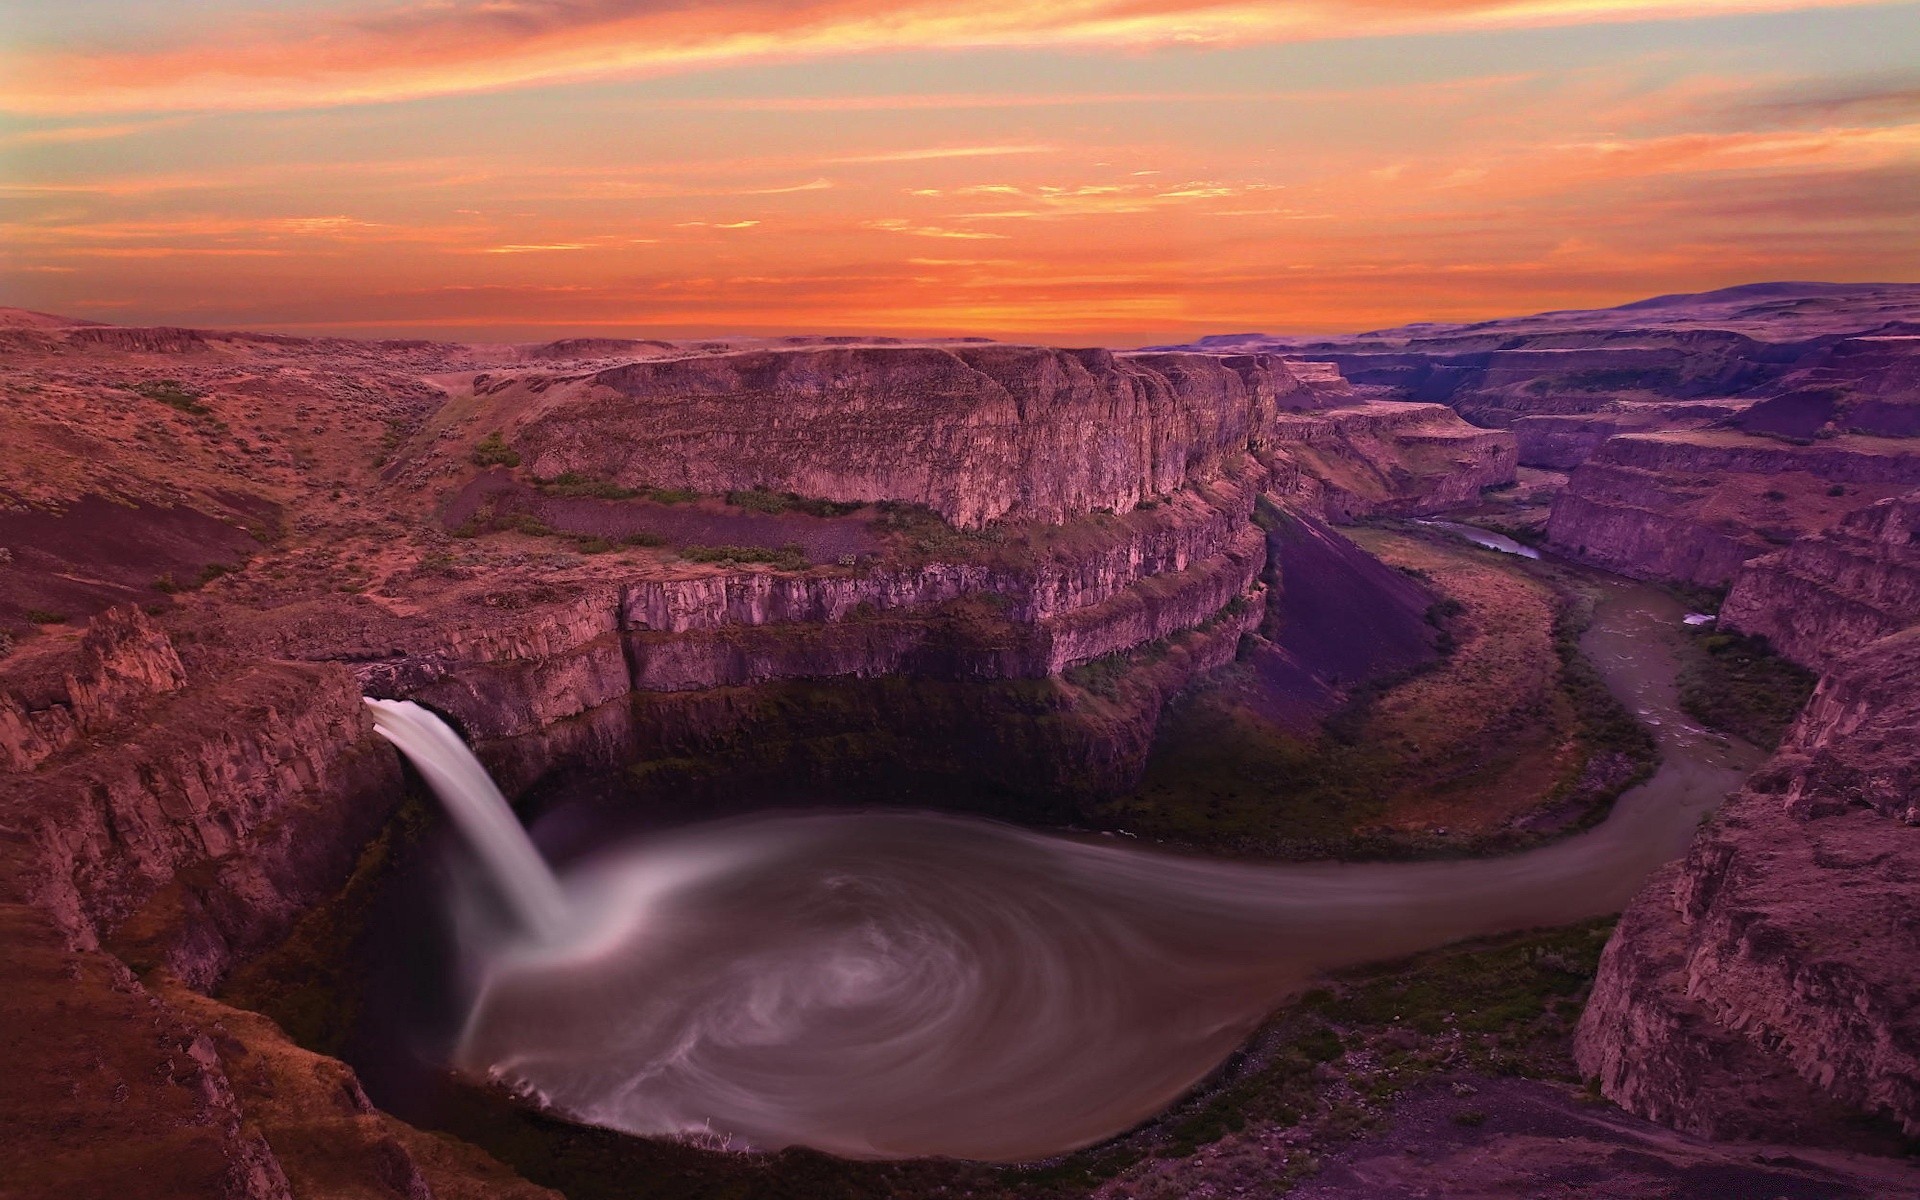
(643,538)
(760,500)
(670,495)
(41,616)
(1774,494)
(493,451)
(211,572)
(165,584)
(1738,685)
(1836,490)
(573,484)
(592,545)
(173,394)
(765,500)
(790,557)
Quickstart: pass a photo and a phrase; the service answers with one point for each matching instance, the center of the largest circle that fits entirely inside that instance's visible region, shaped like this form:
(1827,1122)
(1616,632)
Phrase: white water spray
(478,808)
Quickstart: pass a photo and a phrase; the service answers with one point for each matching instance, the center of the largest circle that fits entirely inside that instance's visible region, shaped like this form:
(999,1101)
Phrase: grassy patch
(1738,685)
(919,533)
(763,500)
(493,451)
(790,557)
(42,616)
(572,484)
(173,394)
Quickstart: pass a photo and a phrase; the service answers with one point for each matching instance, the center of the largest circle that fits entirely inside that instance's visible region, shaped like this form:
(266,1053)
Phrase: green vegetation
(493,451)
(790,557)
(670,495)
(1606,725)
(763,500)
(573,484)
(312,983)
(41,616)
(488,521)
(390,439)
(1738,685)
(926,535)
(173,394)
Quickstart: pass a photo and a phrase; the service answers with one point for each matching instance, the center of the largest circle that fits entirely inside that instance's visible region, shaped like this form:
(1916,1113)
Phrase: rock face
(178,787)
(1694,507)
(1828,594)
(1360,460)
(1763,987)
(977,433)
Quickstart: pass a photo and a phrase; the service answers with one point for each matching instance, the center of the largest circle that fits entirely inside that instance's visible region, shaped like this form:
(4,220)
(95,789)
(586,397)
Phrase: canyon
(954,573)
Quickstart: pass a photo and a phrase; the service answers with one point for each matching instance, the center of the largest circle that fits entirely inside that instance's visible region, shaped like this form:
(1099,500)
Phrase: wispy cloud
(440,47)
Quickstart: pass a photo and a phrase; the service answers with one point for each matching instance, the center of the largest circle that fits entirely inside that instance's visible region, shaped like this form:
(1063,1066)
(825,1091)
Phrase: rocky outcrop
(1829,594)
(197,816)
(1359,460)
(977,433)
(1694,507)
(123,662)
(1763,987)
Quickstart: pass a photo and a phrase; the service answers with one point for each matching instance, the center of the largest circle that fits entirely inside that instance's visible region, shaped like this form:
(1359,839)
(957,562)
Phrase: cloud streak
(310,57)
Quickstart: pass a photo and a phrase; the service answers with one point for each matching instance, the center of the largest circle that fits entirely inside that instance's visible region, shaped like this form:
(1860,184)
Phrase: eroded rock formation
(1762,988)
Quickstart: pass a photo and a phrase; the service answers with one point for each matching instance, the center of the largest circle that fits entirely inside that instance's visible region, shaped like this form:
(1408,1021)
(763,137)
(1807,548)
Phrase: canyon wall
(1763,987)
(1833,592)
(1361,460)
(1693,507)
(975,432)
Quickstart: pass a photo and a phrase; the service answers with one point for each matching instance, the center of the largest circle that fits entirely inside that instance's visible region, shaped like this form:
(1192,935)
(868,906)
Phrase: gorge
(677,598)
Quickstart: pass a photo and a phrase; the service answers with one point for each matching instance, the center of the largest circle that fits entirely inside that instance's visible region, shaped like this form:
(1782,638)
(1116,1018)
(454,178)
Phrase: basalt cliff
(910,570)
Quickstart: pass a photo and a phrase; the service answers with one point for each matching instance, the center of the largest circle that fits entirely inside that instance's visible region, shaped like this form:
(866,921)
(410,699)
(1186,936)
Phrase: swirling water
(895,984)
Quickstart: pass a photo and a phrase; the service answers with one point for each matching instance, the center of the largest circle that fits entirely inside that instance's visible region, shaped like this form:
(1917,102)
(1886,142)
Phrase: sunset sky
(1096,171)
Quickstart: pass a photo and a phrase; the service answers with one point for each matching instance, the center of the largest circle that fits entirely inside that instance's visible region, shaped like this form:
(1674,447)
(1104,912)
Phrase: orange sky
(1109,171)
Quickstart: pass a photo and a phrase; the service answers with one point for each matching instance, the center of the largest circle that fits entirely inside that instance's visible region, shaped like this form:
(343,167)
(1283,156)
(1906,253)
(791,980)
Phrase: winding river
(888,984)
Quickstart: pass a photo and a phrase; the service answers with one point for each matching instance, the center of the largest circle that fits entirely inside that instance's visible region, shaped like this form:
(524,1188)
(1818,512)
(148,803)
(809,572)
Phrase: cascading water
(888,985)
(478,809)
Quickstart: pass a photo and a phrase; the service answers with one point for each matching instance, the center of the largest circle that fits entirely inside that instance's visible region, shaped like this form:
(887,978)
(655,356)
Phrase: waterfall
(478,809)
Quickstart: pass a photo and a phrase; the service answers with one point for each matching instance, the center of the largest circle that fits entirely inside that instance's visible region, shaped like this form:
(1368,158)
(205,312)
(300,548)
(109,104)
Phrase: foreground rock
(1763,987)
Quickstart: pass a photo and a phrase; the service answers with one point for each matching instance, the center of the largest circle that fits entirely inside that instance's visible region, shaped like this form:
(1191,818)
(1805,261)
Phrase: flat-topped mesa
(977,433)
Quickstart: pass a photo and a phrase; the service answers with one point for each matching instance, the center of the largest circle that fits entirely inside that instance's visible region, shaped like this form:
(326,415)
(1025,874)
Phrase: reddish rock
(1764,987)
(1829,594)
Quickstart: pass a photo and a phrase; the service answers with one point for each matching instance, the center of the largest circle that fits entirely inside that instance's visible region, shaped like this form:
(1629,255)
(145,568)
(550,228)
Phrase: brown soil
(1491,724)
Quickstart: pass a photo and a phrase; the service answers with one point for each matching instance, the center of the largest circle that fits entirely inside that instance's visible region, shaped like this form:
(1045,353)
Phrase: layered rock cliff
(1694,507)
(1762,987)
(977,433)
(1832,593)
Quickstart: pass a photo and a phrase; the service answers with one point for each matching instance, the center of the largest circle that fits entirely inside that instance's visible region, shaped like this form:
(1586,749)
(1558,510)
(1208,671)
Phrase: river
(897,984)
